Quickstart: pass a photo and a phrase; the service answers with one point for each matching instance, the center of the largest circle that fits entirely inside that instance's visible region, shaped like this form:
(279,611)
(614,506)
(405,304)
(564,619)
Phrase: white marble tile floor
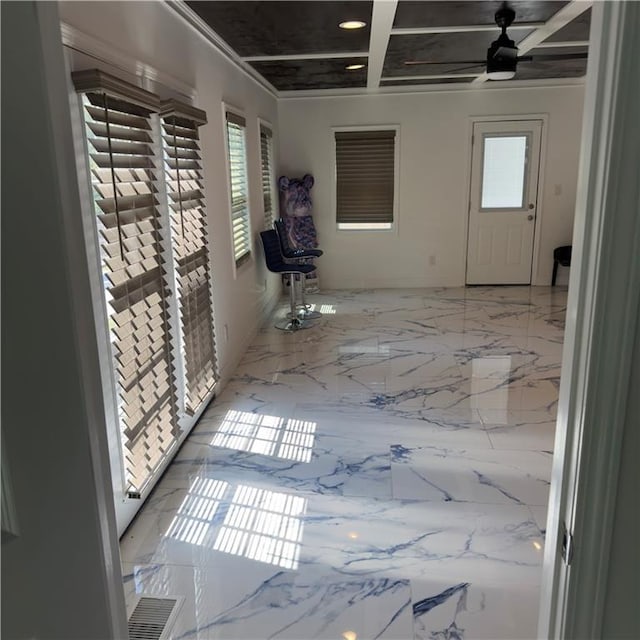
(383,474)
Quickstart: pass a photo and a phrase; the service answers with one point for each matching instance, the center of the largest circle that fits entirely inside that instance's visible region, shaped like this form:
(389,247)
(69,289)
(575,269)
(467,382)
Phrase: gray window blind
(266,161)
(365,176)
(187,212)
(236,144)
(120,142)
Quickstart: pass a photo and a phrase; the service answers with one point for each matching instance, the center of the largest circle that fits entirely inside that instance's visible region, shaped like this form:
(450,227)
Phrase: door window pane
(503,172)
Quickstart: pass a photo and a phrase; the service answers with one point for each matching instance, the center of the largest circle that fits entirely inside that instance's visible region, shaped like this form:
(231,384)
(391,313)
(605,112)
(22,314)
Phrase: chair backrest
(272,253)
(281,230)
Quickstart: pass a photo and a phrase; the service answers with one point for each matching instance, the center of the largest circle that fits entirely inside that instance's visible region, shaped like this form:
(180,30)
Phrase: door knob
(529,217)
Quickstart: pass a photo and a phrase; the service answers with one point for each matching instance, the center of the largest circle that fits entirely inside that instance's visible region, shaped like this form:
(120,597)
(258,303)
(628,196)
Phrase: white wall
(434,139)
(61,575)
(150,33)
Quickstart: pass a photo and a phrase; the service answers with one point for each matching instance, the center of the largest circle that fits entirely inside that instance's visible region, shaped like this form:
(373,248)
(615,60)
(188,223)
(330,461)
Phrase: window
(504,161)
(266,162)
(365,179)
(120,139)
(188,222)
(152,270)
(240,227)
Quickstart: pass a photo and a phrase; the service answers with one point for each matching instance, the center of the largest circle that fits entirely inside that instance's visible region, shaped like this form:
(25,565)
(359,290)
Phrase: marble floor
(384,474)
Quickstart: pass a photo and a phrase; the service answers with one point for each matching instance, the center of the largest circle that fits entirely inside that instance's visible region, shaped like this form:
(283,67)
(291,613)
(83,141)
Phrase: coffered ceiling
(298,46)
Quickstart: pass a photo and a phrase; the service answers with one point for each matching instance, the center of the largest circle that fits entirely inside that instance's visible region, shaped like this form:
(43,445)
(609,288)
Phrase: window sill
(365,226)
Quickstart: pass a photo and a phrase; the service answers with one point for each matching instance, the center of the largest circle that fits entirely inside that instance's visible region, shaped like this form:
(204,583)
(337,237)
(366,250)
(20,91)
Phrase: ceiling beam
(402,89)
(382,16)
(568,13)
(562,45)
(413,31)
(308,56)
(438,76)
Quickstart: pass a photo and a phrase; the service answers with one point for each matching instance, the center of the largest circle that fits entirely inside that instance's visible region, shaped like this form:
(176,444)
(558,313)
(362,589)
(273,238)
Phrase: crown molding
(194,21)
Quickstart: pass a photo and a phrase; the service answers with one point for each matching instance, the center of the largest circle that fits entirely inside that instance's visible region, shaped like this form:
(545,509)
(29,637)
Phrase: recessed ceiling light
(352,24)
(354,67)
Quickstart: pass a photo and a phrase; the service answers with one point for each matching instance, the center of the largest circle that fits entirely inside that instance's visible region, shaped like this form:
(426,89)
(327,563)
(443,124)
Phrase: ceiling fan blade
(475,65)
(559,56)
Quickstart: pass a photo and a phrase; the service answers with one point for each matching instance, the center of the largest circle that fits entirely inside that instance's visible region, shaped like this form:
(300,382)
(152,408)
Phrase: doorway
(503,203)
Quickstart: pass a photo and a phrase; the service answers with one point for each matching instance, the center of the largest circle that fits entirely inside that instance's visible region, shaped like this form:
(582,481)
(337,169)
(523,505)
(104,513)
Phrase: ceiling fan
(502,55)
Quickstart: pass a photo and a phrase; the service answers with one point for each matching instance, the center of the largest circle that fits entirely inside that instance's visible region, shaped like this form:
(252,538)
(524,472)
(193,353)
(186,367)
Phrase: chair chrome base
(307,314)
(304,310)
(291,324)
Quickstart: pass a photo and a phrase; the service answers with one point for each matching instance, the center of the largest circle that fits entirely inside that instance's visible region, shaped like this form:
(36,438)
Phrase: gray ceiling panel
(435,69)
(439,47)
(297,75)
(284,28)
(298,28)
(551,69)
(557,51)
(442,14)
(577,29)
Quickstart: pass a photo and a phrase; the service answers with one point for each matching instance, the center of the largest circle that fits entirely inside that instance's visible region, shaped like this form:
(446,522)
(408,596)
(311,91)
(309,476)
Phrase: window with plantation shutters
(123,168)
(239,188)
(183,173)
(266,162)
(365,178)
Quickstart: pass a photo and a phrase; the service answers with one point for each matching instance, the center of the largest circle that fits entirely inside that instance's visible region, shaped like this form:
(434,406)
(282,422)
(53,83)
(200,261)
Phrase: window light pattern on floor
(324,309)
(263,525)
(193,519)
(267,435)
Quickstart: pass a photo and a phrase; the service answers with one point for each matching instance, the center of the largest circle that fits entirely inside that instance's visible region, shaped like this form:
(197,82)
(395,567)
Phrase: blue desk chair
(276,264)
(300,256)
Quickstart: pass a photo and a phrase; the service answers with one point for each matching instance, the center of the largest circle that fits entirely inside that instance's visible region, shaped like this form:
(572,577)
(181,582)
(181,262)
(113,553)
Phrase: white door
(503,201)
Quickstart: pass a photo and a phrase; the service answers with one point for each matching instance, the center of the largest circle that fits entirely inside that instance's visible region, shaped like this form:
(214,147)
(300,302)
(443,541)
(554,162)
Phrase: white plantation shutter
(183,172)
(365,176)
(236,143)
(120,143)
(266,162)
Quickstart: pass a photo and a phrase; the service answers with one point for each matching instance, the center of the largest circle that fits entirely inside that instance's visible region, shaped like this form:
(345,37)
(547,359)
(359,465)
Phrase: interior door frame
(597,362)
(477,119)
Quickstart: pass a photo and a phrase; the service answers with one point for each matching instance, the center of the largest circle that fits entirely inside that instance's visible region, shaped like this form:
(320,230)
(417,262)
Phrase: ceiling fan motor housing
(502,55)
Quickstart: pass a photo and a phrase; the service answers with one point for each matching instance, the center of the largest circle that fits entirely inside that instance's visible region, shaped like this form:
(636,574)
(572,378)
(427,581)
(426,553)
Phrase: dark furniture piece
(561,256)
(301,256)
(276,264)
